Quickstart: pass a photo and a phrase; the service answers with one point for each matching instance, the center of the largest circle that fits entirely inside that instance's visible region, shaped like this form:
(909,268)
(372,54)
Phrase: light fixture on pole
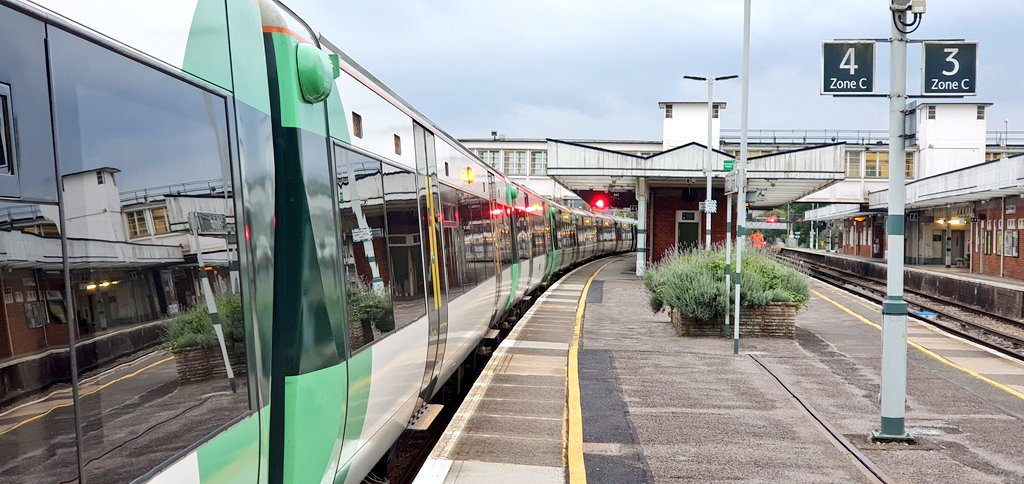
(709,206)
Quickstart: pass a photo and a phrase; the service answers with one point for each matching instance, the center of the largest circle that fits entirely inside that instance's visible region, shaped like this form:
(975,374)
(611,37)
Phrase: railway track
(999,333)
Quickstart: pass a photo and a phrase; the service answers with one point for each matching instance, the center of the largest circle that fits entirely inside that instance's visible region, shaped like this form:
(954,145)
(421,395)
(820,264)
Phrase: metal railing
(200,187)
(853,136)
(807,136)
(1004,138)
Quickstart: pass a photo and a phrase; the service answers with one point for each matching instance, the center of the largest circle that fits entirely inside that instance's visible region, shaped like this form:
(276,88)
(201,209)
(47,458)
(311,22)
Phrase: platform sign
(949,68)
(848,68)
(362,235)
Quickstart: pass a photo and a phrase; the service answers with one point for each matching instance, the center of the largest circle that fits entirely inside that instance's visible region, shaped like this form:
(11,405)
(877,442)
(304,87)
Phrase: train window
(168,142)
(364,247)
(39,437)
(477,232)
(537,225)
(6,138)
(524,232)
(404,245)
(454,249)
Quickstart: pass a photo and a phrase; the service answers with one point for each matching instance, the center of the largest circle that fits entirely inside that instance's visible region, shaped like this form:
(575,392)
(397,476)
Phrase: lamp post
(707,161)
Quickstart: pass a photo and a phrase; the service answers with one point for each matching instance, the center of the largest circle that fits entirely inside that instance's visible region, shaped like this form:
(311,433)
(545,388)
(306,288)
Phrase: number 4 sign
(848,68)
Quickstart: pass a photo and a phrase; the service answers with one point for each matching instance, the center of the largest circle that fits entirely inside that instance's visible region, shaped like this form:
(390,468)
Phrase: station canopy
(778,178)
(994,179)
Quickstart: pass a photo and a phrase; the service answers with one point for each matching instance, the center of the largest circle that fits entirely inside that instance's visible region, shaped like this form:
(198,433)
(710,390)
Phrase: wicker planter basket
(775,320)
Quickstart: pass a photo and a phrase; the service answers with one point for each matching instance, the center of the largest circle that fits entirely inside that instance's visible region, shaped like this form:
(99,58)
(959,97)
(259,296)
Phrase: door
(433,260)
(687,229)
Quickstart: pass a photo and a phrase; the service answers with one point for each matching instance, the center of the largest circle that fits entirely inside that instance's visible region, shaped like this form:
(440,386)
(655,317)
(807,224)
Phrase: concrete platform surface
(661,408)
(700,414)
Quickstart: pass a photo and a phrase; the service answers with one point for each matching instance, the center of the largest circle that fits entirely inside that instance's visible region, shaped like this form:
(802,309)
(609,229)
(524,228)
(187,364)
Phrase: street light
(707,162)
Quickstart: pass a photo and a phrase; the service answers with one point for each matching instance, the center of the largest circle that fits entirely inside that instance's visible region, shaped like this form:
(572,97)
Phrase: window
(398,145)
(404,247)
(99,177)
(478,234)
(357,125)
(491,157)
(714,111)
(981,112)
(453,240)
(169,139)
(538,162)
(853,164)
(931,112)
(160,224)
(365,247)
(876,164)
(6,146)
(137,226)
(668,110)
(515,162)
(909,171)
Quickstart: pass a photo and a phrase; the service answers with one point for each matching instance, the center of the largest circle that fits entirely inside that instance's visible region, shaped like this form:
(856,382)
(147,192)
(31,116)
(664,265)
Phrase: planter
(196,364)
(775,320)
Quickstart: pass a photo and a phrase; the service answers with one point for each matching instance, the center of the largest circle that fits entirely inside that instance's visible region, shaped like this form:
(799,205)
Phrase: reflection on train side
(147,196)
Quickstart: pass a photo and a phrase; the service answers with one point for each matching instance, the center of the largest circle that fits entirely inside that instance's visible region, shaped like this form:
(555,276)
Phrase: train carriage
(180,166)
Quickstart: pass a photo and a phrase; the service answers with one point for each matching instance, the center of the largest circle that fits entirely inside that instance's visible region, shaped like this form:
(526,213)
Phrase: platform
(960,273)
(660,408)
(1004,297)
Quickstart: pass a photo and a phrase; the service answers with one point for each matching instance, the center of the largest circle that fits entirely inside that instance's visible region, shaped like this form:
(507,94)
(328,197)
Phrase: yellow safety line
(577,471)
(929,352)
(97,389)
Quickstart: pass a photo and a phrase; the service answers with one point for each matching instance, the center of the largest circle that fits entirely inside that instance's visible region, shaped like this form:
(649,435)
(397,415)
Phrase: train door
(433,261)
(498,245)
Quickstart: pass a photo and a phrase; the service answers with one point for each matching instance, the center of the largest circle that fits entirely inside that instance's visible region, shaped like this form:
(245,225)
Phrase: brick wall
(861,242)
(991,211)
(776,320)
(661,222)
(15,324)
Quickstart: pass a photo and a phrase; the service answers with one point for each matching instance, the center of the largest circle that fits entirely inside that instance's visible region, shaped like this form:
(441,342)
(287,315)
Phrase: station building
(665,181)
(950,152)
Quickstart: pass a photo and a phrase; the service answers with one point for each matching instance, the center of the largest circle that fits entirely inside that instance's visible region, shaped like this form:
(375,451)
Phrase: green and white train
(153,154)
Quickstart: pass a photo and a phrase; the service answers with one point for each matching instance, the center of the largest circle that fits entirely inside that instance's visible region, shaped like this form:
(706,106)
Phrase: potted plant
(372,310)
(691,285)
(193,341)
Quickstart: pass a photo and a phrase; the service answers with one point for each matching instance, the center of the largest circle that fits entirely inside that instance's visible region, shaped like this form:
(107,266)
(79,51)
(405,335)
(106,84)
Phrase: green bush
(370,307)
(194,329)
(693,283)
(191,329)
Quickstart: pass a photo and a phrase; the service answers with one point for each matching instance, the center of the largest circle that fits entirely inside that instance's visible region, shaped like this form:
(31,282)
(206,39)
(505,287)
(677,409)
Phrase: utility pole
(741,175)
(708,206)
(894,309)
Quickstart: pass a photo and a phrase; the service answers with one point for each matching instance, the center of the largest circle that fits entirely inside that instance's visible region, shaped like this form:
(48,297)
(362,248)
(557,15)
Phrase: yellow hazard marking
(928,352)
(90,392)
(577,471)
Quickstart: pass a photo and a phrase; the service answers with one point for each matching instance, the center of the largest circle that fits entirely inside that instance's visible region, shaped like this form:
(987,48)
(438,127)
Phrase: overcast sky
(597,68)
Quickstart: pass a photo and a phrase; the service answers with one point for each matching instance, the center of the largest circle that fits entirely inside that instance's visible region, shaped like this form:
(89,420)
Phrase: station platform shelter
(667,187)
(969,218)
